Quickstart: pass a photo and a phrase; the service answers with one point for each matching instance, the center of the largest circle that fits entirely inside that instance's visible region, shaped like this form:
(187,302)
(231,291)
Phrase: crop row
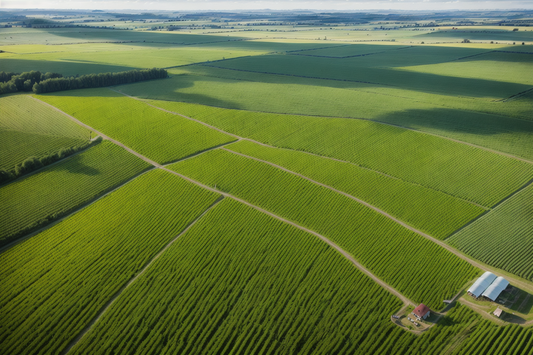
(54,283)
(400,257)
(454,168)
(158,135)
(428,210)
(503,237)
(40,198)
(488,338)
(242,282)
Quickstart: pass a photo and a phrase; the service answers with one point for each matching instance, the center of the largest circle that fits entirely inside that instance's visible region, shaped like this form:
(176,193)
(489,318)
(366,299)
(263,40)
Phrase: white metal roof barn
(482,284)
(495,288)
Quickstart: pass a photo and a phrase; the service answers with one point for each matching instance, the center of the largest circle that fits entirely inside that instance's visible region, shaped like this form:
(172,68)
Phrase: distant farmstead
(422,311)
(488,286)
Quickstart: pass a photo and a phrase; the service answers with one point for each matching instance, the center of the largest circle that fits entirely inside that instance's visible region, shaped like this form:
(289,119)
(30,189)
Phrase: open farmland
(298,184)
(38,199)
(450,167)
(221,265)
(509,224)
(428,210)
(161,136)
(56,282)
(379,243)
(29,128)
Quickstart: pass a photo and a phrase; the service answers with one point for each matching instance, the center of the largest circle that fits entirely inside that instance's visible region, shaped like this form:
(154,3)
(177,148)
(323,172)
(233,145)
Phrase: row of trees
(34,163)
(13,82)
(98,80)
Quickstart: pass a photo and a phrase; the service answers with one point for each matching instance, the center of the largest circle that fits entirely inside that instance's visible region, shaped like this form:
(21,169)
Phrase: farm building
(481,284)
(493,291)
(498,312)
(422,311)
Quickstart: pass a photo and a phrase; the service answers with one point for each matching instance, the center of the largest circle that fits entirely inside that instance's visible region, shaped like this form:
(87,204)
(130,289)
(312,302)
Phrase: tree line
(13,82)
(98,80)
(34,163)
(41,83)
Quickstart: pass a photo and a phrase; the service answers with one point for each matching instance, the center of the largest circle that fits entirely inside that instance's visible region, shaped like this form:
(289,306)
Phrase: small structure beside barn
(421,312)
(498,312)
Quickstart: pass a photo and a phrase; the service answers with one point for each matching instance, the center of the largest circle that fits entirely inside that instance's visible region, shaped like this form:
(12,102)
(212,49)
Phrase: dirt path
(474,263)
(404,299)
(299,151)
(392,290)
(119,292)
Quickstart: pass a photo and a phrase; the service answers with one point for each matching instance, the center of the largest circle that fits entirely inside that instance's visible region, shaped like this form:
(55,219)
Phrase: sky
(340,5)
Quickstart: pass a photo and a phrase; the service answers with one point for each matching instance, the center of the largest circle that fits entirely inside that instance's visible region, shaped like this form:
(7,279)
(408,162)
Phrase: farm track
(300,151)
(119,292)
(523,283)
(380,211)
(404,299)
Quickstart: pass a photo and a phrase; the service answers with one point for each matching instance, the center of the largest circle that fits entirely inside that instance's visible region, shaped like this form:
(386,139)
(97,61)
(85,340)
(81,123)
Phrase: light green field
(403,259)
(456,169)
(379,70)
(158,135)
(38,199)
(29,128)
(441,114)
(54,283)
(494,65)
(425,209)
(504,237)
(211,281)
(111,57)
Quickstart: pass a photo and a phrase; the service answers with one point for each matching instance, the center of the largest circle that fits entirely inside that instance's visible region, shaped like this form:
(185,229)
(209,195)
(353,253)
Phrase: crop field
(496,125)
(161,136)
(40,198)
(205,295)
(117,56)
(372,70)
(456,169)
(298,184)
(425,209)
(509,225)
(56,282)
(29,128)
(380,244)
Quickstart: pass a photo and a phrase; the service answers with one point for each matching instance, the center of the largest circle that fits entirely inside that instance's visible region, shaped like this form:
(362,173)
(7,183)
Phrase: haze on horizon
(206,5)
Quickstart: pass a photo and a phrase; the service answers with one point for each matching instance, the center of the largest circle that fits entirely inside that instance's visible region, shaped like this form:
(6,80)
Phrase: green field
(43,197)
(498,125)
(453,168)
(29,128)
(337,168)
(425,209)
(54,283)
(381,245)
(504,237)
(159,135)
(206,295)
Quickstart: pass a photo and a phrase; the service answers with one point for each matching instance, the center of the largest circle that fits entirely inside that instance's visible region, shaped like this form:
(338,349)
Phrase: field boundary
(108,304)
(376,209)
(75,210)
(300,151)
